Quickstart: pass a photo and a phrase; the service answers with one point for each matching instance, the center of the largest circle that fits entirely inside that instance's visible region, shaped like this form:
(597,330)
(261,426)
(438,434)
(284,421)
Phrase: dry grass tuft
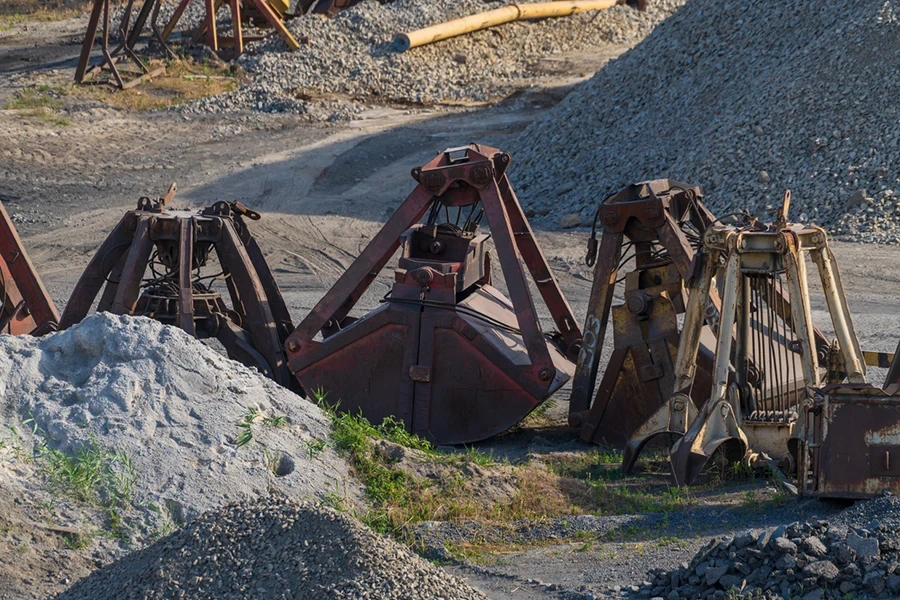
(184,81)
(14,12)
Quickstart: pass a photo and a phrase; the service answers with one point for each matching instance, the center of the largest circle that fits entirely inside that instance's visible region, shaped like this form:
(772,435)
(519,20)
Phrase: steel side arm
(505,242)
(341,298)
(596,321)
(12,253)
(540,271)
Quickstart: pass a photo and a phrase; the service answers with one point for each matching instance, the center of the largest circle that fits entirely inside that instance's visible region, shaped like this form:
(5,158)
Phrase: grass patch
(166,523)
(582,483)
(398,498)
(92,474)
(184,81)
(77,541)
(485,553)
(40,103)
(42,96)
(16,12)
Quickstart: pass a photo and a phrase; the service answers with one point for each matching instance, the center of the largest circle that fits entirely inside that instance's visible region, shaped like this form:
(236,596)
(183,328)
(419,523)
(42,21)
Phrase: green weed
(42,96)
(245,425)
(91,474)
(165,525)
(40,102)
(277,421)
(314,447)
(77,541)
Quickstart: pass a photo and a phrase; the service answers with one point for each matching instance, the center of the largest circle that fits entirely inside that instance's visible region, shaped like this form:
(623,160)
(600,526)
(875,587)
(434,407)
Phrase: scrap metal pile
(747,377)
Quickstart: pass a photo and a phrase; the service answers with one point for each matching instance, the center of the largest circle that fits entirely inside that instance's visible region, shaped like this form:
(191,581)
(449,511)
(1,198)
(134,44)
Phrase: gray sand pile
(744,98)
(272,549)
(350,55)
(173,405)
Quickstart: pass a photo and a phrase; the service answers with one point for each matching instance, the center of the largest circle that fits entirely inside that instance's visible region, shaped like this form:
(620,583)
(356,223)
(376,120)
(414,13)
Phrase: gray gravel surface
(351,56)
(745,98)
(272,549)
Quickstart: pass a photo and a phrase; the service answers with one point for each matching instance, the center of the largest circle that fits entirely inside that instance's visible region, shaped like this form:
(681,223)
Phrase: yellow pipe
(507,14)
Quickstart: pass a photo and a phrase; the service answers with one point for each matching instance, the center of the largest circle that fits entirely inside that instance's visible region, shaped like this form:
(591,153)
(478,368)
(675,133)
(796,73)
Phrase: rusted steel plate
(25,306)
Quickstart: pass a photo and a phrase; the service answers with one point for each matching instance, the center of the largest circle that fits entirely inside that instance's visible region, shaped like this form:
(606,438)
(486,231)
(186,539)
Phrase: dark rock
(843,553)
(823,569)
(760,576)
(816,594)
(729,582)
(815,547)
(713,574)
(784,545)
(786,562)
(864,547)
(893,583)
(875,581)
(745,539)
(847,587)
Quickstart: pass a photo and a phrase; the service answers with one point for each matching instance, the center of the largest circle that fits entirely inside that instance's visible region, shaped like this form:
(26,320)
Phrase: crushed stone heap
(173,405)
(272,549)
(855,555)
(745,98)
(350,55)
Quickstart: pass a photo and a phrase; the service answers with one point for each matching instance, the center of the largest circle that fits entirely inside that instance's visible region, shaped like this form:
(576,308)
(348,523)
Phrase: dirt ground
(323,193)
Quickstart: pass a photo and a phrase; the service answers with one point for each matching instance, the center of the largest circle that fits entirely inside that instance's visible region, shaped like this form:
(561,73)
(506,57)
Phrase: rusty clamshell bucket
(447,354)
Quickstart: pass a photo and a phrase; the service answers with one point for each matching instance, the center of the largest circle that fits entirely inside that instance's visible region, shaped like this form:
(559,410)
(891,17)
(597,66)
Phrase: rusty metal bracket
(25,306)
(128,35)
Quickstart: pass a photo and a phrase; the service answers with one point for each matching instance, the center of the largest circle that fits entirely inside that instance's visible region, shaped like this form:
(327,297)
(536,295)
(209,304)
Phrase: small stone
(713,574)
(815,547)
(857,198)
(816,594)
(864,547)
(459,58)
(745,539)
(823,569)
(564,189)
(569,221)
(784,545)
(874,580)
(763,177)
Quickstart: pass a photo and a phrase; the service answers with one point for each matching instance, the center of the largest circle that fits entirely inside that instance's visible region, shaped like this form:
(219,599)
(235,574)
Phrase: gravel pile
(810,561)
(272,549)
(744,98)
(176,407)
(350,55)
